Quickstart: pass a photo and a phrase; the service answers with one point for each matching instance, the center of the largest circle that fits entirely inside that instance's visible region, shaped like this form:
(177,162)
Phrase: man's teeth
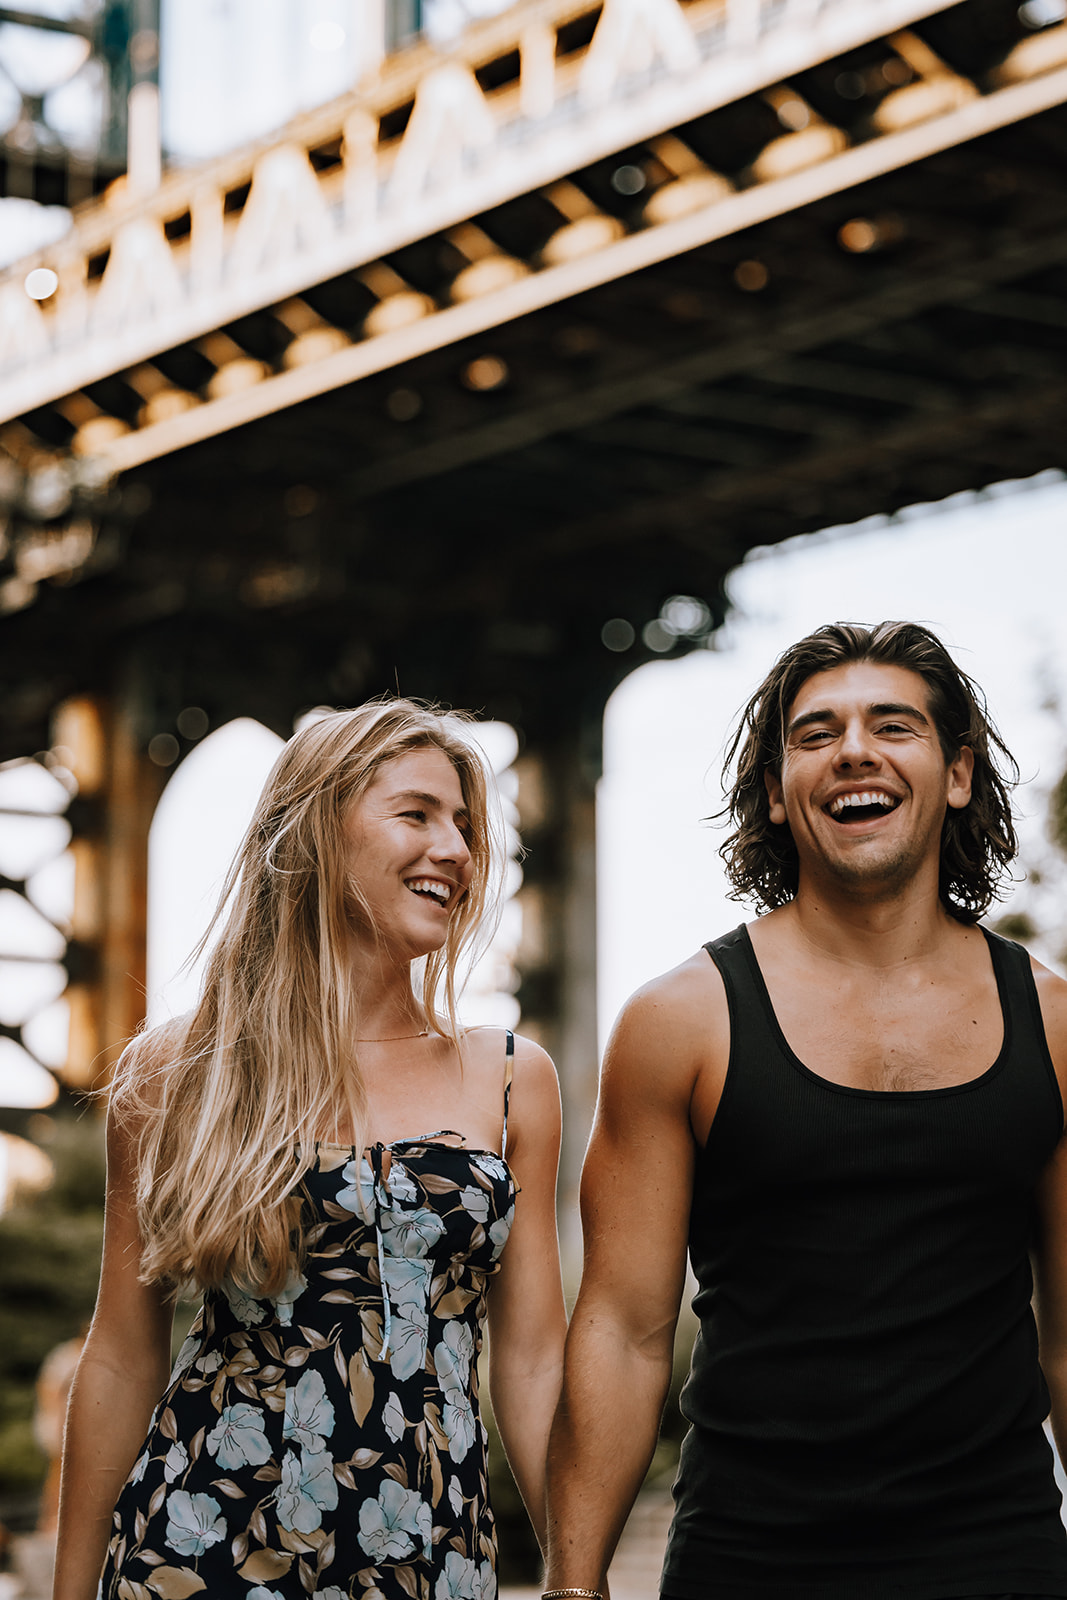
(868,797)
(440,891)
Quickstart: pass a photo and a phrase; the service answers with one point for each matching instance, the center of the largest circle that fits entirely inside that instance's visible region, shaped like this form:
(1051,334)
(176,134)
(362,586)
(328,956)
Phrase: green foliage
(1057,815)
(1017,925)
(49,1266)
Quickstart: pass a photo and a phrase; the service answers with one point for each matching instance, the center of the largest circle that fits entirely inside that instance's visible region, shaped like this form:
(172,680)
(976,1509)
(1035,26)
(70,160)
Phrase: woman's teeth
(429,886)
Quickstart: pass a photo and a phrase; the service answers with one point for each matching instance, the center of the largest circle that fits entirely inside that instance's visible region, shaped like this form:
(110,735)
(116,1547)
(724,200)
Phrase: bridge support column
(557,958)
(118,789)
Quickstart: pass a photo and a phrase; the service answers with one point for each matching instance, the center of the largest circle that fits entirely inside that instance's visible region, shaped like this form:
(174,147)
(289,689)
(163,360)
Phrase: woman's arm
(122,1372)
(636,1198)
(527,1319)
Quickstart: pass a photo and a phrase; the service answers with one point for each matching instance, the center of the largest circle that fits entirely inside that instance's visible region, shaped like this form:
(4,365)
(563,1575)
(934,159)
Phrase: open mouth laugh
(865,805)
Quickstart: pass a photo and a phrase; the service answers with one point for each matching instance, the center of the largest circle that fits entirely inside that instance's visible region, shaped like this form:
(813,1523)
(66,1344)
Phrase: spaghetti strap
(509,1067)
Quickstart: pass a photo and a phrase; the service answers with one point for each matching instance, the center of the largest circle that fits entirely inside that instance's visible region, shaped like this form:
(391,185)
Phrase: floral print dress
(325,1443)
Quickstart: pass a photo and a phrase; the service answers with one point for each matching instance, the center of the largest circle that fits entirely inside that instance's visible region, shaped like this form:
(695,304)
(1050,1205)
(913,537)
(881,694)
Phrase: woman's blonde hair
(225,1105)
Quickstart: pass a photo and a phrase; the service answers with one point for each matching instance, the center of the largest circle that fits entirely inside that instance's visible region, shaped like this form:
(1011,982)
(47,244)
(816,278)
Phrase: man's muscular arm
(636,1195)
(1050,1254)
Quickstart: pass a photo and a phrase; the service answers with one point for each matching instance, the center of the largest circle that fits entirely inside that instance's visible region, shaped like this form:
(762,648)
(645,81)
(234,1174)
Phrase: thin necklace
(395,1038)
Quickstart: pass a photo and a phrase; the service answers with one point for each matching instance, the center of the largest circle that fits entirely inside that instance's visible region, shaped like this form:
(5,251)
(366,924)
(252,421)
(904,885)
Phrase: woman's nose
(450,844)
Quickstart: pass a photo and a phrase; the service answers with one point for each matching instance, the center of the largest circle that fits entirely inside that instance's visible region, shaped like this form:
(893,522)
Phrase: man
(850,1112)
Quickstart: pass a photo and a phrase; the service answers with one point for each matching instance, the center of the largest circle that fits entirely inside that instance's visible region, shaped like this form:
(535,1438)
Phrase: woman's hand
(527,1318)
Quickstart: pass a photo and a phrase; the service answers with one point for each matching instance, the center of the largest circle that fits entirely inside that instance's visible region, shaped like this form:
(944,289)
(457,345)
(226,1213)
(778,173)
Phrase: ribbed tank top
(865,1401)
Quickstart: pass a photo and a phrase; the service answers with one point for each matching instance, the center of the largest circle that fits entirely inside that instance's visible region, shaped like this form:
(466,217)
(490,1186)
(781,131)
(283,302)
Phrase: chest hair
(894,1035)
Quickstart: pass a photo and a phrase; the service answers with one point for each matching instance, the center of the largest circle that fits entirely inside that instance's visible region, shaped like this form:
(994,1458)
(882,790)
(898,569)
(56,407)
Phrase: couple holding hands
(848,1114)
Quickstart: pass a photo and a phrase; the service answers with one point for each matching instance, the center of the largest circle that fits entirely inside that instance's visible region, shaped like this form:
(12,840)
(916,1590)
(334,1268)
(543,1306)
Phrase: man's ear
(960,773)
(773,784)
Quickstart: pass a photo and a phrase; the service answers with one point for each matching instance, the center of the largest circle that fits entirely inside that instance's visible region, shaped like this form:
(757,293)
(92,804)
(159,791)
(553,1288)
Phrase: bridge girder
(763,332)
(455,505)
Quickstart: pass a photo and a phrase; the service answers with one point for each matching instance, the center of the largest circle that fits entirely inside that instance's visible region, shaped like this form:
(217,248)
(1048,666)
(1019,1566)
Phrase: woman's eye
(417,816)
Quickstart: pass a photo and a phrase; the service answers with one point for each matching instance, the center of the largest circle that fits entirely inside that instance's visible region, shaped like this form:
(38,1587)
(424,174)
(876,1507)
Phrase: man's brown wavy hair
(978,843)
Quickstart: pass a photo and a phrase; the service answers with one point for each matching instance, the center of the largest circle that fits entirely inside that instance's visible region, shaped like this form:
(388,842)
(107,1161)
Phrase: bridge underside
(892,344)
(463,524)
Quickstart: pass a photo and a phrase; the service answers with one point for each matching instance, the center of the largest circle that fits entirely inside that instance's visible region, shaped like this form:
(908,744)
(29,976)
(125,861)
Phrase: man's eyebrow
(898,708)
(428,800)
(807,719)
(882,708)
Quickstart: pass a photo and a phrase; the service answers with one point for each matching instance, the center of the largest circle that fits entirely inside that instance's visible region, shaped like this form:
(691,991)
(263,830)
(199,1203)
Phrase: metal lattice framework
(436,148)
(519,342)
(664,279)
(120,39)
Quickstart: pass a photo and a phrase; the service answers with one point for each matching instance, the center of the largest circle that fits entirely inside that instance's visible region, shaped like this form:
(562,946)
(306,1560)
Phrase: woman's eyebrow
(432,800)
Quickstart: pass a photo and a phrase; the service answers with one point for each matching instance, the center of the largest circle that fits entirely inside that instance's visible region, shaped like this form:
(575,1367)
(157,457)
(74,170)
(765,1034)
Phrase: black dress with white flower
(326,1443)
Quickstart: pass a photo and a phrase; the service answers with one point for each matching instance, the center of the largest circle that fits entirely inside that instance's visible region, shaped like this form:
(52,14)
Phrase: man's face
(864,783)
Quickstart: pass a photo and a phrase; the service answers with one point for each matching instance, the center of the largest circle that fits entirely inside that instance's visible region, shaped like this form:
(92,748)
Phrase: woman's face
(407,849)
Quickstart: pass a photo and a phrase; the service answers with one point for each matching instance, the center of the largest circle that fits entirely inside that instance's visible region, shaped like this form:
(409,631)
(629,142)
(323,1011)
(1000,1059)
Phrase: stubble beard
(862,871)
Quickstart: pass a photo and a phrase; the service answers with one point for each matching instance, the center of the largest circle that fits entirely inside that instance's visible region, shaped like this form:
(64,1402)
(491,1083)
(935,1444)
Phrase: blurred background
(559,359)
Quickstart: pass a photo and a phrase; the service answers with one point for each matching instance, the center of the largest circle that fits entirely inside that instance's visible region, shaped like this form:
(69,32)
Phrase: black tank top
(865,1400)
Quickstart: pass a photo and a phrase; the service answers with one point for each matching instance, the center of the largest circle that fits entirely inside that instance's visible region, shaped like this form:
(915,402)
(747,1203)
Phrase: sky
(234,69)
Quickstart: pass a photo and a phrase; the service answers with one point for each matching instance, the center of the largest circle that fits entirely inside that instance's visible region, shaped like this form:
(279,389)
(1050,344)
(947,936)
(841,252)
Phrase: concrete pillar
(557,958)
(118,789)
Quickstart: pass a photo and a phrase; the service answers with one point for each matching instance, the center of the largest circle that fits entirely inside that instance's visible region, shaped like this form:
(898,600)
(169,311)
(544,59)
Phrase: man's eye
(816,736)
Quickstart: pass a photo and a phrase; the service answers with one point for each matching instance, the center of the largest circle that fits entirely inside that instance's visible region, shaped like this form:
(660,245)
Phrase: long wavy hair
(225,1104)
(977,843)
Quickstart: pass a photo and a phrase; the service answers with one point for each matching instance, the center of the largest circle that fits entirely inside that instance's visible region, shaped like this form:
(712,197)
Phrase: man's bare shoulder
(1052,996)
(687,989)
(677,1016)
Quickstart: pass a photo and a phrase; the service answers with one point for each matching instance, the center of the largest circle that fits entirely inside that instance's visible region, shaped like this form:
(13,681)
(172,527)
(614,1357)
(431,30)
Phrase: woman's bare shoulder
(488,1046)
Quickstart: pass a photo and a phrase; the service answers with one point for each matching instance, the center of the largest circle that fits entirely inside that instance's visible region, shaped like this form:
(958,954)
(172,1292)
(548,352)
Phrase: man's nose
(856,748)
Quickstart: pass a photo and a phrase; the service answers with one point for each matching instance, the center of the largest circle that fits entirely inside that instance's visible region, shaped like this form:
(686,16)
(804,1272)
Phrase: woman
(324,1152)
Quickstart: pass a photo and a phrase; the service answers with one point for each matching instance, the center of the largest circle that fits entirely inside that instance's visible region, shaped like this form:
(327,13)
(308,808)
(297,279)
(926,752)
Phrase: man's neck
(883,933)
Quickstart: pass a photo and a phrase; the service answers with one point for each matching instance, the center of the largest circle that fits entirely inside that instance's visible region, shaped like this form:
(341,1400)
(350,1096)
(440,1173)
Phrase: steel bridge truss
(299,267)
